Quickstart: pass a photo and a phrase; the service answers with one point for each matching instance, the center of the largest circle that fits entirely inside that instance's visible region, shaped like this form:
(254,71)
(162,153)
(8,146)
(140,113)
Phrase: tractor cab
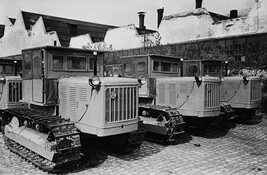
(202,68)
(151,67)
(43,67)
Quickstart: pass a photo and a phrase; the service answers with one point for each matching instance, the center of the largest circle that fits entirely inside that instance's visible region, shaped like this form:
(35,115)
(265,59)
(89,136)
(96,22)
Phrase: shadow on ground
(212,131)
(254,120)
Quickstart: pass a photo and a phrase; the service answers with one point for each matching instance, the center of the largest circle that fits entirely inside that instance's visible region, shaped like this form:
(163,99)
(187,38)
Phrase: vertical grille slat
(212,95)
(15,92)
(121,103)
(126,102)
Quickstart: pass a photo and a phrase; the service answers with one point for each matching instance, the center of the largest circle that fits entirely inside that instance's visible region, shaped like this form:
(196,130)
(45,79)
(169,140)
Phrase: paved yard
(237,149)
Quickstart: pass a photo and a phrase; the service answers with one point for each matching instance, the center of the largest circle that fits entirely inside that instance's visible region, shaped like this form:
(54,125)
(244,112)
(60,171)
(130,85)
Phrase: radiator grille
(212,95)
(15,91)
(255,91)
(121,103)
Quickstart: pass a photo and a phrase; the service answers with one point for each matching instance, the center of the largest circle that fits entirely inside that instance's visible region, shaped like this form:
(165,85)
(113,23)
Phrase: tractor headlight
(142,80)
(94,81)
(198,80)
(246,80)
(2,79)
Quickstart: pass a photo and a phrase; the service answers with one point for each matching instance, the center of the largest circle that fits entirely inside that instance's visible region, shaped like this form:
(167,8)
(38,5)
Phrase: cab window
(175,68)
(77,63)
(116,71)
(127,67)
(141,66)
(155,66)
(193,69)
(6,68)
(166,67)
(57,63)
(211,68)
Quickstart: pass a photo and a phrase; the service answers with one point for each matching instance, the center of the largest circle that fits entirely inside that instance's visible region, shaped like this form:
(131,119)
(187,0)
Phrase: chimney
(198,4)
(160,15)
(141,19)
(233,13)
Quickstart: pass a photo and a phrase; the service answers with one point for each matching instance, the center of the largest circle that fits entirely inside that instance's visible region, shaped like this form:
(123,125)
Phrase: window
(73,29)
(57,63)
(239,46)
(263,43)
(166,67)
(221,46)
(229,47)
(252,44)
(127,67)
(155,66)
(141,66)
(116,71)
(175,67)
(210,68)
(6,68)
(193,69)
(78,63)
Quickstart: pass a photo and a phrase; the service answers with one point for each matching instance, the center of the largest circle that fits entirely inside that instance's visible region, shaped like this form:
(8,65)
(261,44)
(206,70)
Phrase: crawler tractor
(63,99)
(197,98)
(241,94)
(162,123)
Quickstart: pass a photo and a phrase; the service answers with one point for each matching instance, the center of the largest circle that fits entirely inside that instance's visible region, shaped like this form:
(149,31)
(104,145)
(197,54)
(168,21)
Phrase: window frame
(160,67)
(63,60)
(74,56)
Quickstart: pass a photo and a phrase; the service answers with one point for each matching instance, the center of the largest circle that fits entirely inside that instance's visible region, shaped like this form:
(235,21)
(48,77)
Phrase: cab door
(141,70)
(37,77)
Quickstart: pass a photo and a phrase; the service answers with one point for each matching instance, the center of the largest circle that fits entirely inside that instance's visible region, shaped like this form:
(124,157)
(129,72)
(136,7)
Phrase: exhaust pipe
(15,68)
(95,63)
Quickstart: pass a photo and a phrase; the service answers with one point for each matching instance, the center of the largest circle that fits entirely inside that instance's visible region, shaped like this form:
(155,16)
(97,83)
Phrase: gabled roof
(12,20)
(198,12)
(67,28)
(218,17)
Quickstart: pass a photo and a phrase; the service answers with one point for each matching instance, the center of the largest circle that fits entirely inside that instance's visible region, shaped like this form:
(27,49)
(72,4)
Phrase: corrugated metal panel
(72,101)
(63,100)
(83,94)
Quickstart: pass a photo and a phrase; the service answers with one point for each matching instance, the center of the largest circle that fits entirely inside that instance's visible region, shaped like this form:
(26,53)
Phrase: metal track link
(156,110)
(37,160)
(60,131)
(173,122)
